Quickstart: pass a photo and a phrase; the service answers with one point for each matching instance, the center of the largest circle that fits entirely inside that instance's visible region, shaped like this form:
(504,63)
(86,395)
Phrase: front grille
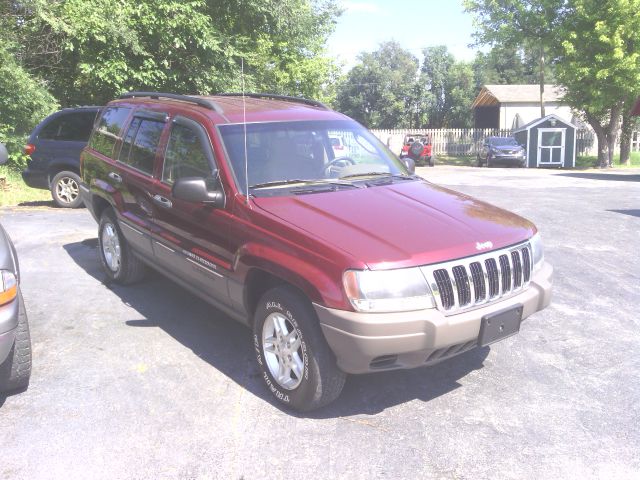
(470,282)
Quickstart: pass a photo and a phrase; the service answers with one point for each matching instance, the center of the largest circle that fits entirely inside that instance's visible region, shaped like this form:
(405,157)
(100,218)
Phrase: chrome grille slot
(477,276)
(526,264)
(475,281)
(517,269)
(462,281)
(445,288)
(494,277)
(505,268)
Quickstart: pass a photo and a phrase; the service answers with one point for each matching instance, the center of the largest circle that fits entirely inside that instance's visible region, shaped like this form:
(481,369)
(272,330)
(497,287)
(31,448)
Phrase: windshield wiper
(380,174)
(277,183)
(322,186)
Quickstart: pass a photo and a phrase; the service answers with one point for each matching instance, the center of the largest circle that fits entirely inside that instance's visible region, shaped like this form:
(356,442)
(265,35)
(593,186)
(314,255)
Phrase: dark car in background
(54,147)
(503,151)
(15,342)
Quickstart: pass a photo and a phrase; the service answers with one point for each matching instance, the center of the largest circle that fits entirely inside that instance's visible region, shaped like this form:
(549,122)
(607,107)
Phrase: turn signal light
(29,149)
(9,285)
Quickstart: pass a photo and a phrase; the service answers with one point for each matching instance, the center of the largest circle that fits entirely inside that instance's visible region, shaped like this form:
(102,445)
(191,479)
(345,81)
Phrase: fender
(319,285)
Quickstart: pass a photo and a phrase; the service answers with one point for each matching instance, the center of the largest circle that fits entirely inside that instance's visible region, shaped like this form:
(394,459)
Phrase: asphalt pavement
(149,382)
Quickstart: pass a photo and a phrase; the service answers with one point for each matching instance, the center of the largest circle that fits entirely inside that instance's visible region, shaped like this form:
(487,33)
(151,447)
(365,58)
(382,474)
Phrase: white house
(512,106)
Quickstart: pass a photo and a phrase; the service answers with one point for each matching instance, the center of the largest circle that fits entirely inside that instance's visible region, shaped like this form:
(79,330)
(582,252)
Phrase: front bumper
(508,160)
(366,342)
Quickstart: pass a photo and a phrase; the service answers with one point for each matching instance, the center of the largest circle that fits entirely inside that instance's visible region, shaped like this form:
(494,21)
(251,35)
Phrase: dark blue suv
(54,147)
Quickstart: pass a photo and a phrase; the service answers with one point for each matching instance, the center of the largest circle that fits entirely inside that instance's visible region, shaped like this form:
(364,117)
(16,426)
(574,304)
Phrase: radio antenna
(244,125)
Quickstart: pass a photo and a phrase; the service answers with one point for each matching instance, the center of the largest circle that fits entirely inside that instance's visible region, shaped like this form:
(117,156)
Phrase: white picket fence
(459,142)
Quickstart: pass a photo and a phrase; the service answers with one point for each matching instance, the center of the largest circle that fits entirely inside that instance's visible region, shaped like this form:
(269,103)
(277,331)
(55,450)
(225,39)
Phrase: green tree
(528,25)
(105,47)
(379,90)
(460,92)
(503,65)
(599,64)
(434,77)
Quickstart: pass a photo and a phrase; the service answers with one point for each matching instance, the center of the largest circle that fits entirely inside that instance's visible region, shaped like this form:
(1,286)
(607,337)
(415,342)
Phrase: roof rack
(274,96)
(173,96)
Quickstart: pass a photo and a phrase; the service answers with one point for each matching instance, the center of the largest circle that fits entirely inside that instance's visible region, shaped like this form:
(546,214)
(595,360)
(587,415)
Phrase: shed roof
(491,95)
(537,121)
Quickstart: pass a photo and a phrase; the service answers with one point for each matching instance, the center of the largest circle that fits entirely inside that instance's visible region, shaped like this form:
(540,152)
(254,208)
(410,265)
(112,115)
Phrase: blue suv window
(70,127)
(107,131)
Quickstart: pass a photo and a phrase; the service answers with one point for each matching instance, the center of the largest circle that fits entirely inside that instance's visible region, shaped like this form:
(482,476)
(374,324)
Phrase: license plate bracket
(499,325)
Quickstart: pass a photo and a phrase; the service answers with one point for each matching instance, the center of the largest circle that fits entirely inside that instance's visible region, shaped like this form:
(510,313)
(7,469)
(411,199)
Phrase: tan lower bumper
(412,339)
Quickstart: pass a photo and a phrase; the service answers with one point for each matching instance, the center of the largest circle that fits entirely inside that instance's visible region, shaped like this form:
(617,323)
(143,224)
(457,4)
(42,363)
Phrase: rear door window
(69,127)
(107,131)
(141,143)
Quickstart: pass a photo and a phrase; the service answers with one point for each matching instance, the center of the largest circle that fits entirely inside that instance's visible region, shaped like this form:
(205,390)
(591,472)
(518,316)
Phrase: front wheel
(15,371)
(116,257)
(65,190)
(296,363)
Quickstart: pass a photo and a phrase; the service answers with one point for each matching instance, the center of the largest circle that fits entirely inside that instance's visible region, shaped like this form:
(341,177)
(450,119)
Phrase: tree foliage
(593,45)
(76,52)
(599,64)
(378,90)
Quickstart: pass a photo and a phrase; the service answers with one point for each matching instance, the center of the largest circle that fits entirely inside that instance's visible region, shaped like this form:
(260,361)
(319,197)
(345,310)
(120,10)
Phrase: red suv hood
(401,225)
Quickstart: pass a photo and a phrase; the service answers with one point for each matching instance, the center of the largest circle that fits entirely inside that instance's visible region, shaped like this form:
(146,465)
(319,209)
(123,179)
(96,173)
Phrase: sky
(415,24)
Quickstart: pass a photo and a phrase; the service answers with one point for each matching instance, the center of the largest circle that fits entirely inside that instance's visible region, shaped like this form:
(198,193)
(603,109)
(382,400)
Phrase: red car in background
(420,150)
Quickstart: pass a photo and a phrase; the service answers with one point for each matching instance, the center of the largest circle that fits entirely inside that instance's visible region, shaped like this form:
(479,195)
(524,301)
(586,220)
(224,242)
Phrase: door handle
(115,177)
(162,201)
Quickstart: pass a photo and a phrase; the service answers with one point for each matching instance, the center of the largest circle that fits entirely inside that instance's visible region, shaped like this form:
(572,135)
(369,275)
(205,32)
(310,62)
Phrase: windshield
(281,154)
(503,141)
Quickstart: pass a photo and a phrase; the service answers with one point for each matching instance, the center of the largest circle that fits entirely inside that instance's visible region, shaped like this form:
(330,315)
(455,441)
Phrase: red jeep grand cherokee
(339,265)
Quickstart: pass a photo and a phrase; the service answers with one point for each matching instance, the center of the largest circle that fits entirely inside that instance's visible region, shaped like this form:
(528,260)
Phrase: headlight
(8,286)
(387,290)
(537,251)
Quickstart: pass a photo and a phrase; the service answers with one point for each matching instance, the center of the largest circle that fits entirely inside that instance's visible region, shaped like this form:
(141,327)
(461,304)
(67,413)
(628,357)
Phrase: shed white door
(551,146)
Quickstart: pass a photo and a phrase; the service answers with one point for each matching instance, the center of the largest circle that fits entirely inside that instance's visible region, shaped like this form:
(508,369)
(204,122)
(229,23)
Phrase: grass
(585,161)
(591,161)
(466,161)
(13,190)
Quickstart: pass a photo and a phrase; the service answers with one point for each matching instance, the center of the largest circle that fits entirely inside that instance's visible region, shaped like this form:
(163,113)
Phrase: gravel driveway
(148,382)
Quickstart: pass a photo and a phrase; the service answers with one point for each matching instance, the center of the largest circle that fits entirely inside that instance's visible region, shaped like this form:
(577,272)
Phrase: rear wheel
(116,256)
(15,371)
(297,365)
(65,190)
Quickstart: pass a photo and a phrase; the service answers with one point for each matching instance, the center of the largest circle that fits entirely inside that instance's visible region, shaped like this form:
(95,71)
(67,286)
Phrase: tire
(65,190)
(415,150)
(320,381)
(432,161)
(15,371)
(478,161)
(116,257)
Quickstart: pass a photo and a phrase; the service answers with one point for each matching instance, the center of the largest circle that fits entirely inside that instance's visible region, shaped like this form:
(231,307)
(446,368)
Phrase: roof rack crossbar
(275,96)
(173,96)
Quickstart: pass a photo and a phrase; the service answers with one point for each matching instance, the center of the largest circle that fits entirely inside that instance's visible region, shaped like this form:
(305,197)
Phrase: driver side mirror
(410,164)
(195,189)
(4,155)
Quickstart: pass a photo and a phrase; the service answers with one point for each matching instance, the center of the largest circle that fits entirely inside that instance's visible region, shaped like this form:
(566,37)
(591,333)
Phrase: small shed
(549,141)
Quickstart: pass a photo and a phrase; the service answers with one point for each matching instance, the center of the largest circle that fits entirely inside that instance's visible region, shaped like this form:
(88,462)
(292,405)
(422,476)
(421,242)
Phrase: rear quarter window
(107,130)
(141,143)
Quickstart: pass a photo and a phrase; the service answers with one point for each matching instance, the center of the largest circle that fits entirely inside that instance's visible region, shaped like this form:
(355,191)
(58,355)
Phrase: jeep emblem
(484,245)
